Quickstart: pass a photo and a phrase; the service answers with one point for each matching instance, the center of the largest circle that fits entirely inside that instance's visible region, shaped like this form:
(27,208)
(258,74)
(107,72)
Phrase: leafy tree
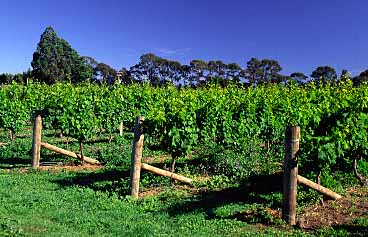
(91,62)
(278,78)
(270,70)
(170,71)
(345,76)
(222,73)
(324,74)
(262,71)
(21,78)
(6,78)
(104,73)
(147,70)
(298,77)
(234,72)
(363,77)
(26,76)
(185,71)
(216,68)
(123,76)
(254,71)
(18,78)
(55,60)
(156,70)
(198,71)
(344,73)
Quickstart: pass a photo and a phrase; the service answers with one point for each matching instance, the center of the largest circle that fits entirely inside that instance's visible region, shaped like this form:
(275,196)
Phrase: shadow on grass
(10,163)
(352,230)
(15,161)
(255,190)
(110,181)
(54,157)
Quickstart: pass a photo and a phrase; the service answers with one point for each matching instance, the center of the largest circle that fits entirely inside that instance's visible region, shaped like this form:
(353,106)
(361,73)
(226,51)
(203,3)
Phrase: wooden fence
(290,176)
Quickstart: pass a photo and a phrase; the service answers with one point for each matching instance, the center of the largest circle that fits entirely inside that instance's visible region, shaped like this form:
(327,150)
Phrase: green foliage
(262,71)
(55,60)
(117,154)
(14,110)
(333,119)
(18,151)
(104,73)
(324,74)
(235,164)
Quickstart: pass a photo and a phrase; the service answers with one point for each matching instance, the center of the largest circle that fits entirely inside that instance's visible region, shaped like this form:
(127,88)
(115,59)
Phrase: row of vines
(333,118)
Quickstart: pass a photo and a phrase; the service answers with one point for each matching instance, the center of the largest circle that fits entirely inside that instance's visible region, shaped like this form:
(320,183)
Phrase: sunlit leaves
(333,118)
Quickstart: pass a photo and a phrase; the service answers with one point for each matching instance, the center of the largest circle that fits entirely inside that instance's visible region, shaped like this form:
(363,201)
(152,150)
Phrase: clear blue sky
(300,34)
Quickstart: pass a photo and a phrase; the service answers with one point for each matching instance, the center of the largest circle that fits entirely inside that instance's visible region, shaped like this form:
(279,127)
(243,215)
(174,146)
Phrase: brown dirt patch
(354,204)
(156,159)
(151,192)
(60,168)
(188,189)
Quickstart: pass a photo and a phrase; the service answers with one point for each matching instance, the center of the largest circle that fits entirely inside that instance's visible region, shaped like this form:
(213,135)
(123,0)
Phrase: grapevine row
(333,118)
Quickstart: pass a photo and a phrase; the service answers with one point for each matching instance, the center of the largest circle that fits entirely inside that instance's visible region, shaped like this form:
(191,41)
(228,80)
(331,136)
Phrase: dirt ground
(352,205)
(59,168)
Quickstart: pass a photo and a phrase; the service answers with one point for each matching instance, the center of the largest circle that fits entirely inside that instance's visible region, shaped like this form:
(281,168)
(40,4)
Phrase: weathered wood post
(121,128)
(36,143)
(290,180)
(136,160)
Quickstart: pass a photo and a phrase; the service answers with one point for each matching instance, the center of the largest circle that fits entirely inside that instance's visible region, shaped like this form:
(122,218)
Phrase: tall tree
(217,72)
(345,75)
(216,68)
(298,77)
(170,71)
(55,60)
(198,71)
(362,78)
(91,62)
(262,71)
(156,70)
(104,73)
(324,74)
(270,70)
(6,78)
(147,70)
(124,77)
(185,74)
(234,72)
(254,71)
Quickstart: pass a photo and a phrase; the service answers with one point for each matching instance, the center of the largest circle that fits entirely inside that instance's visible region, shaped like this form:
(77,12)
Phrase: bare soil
(60,168)
(354,204)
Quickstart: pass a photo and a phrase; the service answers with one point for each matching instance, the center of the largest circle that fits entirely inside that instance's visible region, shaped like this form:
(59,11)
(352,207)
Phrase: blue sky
(300,34)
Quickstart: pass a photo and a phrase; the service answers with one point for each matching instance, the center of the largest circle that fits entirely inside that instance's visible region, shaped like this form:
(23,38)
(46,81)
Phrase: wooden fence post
(121,128)
(136,160)
(290,174)
(36,143)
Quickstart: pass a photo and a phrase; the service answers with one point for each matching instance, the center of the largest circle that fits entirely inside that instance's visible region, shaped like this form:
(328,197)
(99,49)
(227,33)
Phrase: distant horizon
(300,35)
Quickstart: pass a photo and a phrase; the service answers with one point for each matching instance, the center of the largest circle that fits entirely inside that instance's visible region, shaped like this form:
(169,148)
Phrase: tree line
(56,61)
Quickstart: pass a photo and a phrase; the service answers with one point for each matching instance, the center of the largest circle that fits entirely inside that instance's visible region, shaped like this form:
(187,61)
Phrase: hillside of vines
(333,117)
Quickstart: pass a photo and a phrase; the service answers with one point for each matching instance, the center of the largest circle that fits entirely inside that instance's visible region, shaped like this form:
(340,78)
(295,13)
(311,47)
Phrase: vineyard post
(121,128)
(290,180)
(36,143)
(136,159)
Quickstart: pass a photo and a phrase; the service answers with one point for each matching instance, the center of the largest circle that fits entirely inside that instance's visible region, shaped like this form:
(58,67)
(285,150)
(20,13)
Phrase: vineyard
(333,118)
(234,134)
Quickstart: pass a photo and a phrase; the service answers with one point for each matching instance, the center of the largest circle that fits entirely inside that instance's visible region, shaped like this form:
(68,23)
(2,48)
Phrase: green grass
(50,204)
(228,197)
